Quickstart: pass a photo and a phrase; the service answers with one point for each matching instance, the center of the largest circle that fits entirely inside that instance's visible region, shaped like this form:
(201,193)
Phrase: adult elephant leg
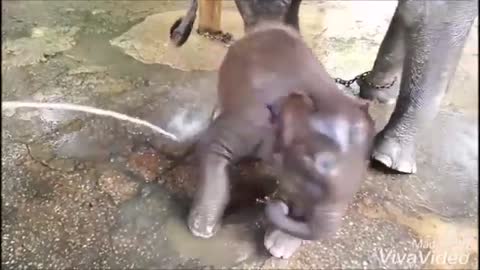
(388,64)
(291,18)
(246,12)
(436,32)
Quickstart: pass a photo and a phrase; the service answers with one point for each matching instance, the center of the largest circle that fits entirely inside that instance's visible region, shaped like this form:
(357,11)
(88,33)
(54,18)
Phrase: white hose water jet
(87,109)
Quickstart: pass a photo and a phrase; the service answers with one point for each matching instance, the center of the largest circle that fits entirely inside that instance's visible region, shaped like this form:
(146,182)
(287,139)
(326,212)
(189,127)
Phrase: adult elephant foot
(394,153)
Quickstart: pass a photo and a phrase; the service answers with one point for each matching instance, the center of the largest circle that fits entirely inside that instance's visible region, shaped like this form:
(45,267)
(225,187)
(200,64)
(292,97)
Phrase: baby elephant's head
(322,148)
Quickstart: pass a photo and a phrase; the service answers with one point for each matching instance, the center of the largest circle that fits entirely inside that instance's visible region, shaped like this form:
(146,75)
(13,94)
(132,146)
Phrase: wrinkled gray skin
(278,104)
(422,47)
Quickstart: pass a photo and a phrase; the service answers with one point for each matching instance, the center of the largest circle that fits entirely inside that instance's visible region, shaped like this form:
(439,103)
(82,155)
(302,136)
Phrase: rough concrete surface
(83,191)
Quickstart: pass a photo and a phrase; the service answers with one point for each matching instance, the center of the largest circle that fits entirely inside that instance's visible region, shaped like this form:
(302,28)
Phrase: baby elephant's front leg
(211,197)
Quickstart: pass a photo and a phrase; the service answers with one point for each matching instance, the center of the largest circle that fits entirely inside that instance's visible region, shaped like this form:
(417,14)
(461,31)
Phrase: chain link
(223,37)
(363,76)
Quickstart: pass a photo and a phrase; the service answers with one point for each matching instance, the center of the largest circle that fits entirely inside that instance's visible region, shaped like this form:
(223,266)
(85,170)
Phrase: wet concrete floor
(83,191)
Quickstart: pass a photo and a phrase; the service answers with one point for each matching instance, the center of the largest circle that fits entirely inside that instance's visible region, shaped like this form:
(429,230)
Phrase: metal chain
(362,77)
(225,38)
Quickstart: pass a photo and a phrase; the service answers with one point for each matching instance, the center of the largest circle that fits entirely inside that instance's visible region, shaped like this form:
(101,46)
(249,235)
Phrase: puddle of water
(233,243)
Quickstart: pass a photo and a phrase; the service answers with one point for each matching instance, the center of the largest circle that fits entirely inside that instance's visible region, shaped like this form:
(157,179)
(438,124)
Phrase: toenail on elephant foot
(395,155)
(201,225)
(385,95)
(280,244)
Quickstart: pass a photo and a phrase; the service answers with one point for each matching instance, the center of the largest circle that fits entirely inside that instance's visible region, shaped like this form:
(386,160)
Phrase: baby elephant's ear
(293,117)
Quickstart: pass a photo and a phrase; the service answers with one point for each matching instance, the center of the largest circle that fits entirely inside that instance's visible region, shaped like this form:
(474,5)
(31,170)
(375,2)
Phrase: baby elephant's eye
(325,163)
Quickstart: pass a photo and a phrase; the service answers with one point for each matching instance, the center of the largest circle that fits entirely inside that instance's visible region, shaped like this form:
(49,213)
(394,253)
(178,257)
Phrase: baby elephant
(278,103)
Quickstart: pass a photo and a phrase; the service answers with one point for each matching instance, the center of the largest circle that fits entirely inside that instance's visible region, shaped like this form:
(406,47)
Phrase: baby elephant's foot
(280,244)
(202,223)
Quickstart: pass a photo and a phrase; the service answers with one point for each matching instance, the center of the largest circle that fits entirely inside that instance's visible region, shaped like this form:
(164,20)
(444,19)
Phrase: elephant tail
(182,27)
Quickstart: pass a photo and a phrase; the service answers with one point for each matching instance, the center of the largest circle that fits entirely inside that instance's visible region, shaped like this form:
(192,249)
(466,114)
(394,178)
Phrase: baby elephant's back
(267,63)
